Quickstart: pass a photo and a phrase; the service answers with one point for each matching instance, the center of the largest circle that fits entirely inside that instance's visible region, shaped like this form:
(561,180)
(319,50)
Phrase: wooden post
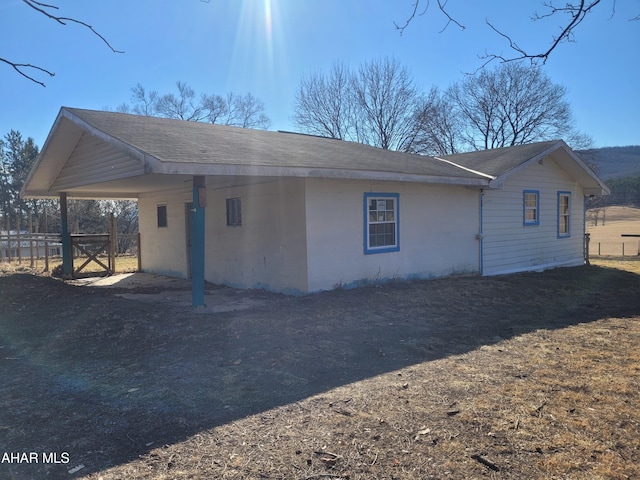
(46,244)
(112,243)
(67,265)
(9,241)
(8,220)
(587,239)
(139,251)
(18,227)
(31,238)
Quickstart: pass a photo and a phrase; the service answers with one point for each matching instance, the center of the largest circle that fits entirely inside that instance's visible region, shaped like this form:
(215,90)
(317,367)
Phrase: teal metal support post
(65,238)
(197,240)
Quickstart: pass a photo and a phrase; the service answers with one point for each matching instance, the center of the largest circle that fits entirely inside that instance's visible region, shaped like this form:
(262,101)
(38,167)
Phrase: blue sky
(266,46)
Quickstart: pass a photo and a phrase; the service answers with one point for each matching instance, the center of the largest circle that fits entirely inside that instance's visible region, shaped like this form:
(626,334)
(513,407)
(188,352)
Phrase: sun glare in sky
(260,57)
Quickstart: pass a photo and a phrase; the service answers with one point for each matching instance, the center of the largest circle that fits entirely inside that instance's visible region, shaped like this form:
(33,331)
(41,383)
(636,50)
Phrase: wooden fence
(98,249)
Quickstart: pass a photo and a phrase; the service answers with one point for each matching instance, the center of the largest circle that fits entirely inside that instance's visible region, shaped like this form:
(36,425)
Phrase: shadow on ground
(98,379)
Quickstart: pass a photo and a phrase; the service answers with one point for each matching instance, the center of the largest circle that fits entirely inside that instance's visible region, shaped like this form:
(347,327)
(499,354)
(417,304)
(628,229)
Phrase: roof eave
(307,172)
(53,141)
(596,184)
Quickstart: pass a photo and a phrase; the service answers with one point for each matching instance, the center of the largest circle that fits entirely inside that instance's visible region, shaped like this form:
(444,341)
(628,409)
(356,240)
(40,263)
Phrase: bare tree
(323,104)
(183,106)
(438,125)
(386,101)
(245,111)
(146,103)
(376,105)
(27,70)
(572,13)
(511,105)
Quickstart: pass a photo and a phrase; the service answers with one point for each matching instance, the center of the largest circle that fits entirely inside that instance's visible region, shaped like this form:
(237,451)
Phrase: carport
(79,160)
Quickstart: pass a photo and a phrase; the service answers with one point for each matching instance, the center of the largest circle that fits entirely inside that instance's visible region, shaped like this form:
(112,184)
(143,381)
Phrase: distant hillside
(614,162)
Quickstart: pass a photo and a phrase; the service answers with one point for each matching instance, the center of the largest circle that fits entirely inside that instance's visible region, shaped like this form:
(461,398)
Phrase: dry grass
(629,264)
(124,264)
(532,376)
(550,404)
(607,237)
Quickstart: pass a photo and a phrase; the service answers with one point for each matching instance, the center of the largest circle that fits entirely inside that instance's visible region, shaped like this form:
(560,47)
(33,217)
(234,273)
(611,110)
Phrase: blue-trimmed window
(531,207)
(381,222)
(564,214)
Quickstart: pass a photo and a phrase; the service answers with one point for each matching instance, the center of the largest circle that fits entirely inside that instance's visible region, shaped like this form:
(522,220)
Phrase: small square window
(162,216)
(234,212)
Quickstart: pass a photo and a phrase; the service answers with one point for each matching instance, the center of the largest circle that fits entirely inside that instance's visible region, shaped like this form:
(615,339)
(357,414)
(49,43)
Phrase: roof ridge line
(470,170)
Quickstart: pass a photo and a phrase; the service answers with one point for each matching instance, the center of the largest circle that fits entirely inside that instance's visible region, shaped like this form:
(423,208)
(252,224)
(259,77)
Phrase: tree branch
(578,14)
(20,67)
(412,16)
(450,19)
(45,9)
(577,11)
(40,7)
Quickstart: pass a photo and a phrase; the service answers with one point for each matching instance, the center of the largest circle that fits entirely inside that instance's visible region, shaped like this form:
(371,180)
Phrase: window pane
(162,216)
(564,224)
(234,212)
(381,222)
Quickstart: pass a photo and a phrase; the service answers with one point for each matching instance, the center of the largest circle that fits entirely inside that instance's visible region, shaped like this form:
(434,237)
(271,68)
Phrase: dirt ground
(524,376)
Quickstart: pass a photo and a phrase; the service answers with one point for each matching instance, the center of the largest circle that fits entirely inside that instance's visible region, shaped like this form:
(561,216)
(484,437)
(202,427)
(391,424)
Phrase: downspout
(585,236)
(480,236)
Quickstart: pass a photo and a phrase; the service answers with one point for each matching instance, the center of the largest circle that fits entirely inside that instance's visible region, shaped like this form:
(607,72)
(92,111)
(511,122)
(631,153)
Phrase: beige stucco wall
(164,250)
(303,235)
(438,228)
(267,251)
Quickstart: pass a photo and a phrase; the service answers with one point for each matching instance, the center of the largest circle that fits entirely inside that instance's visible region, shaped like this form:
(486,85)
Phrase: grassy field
(532,376)
(124,264)
(606,236)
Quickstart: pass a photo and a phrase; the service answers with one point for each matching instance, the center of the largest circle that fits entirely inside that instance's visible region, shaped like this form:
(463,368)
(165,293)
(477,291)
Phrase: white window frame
(384,216)
(566,215)
(527,208)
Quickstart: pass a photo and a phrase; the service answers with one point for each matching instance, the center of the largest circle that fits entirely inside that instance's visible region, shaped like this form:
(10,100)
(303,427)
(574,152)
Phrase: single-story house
(299,213)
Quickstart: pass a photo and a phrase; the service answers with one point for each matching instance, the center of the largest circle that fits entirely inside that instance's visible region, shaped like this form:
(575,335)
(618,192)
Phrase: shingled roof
(498,161)
(501,163)
(102,154)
